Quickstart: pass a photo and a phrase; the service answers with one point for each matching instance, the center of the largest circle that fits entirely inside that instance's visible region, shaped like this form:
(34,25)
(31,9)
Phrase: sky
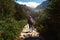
(30,3)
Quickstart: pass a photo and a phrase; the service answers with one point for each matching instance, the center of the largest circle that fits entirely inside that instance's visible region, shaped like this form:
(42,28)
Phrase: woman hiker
(30,22)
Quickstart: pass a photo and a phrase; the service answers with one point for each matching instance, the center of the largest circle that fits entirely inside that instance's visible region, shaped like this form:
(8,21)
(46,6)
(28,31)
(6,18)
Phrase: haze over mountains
(42,6)
(33,11)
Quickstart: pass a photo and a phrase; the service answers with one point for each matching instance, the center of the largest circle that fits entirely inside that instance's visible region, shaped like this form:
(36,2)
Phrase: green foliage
(21,11)
(53,23)
(50,20)
(6,5)
(41,20)
(10,28)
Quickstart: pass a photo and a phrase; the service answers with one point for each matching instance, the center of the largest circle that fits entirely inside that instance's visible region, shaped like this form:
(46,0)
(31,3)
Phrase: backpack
(32,20)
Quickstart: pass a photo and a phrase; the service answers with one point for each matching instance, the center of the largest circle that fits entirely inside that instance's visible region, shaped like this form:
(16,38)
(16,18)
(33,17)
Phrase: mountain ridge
(43,5)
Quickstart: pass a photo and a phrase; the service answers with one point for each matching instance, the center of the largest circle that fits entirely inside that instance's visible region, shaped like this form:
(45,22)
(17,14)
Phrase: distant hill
(43,5)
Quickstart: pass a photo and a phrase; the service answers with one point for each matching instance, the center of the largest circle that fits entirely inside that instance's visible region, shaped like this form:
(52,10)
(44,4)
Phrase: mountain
(43,5)
(21,11)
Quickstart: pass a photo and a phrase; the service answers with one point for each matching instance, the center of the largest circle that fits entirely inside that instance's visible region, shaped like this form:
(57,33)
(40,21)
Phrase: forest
(13,17)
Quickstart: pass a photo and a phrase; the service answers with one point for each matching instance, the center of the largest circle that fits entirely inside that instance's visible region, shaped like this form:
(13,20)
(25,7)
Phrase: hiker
(30,22)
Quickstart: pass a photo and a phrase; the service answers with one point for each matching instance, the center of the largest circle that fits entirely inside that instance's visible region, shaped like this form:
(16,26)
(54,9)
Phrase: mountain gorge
(25,10)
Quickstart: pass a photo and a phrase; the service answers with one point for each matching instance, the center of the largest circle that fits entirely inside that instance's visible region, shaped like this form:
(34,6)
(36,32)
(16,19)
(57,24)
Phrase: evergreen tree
(53,23)
(49,25)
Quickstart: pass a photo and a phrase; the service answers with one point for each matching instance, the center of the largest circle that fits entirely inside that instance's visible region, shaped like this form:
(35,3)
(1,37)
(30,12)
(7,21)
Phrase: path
(27,32)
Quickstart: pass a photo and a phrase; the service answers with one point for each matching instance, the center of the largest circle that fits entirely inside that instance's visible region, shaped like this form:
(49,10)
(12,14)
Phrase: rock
(27,32)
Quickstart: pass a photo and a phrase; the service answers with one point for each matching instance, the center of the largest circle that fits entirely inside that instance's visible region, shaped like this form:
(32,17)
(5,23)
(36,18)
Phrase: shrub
(10,28)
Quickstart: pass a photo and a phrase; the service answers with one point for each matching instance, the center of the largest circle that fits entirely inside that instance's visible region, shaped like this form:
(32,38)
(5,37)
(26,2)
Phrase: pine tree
(53,24)
(50,24)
